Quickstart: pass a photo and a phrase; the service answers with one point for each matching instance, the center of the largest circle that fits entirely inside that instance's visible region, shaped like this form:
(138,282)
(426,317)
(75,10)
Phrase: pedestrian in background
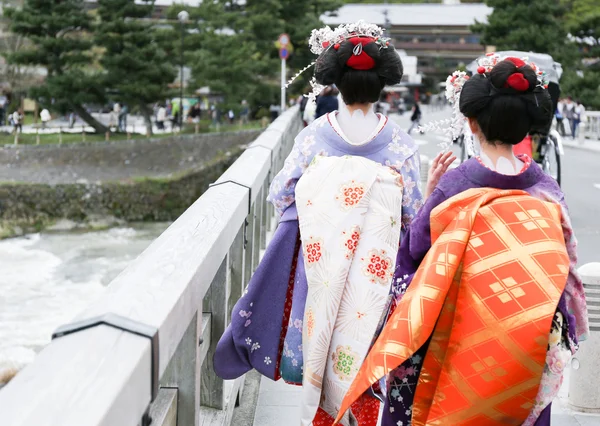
(415,118)
(123,118)
(327,102)
(559,114)
(578,117)
(45,117)
(17,118)
(3,104)
(310,112)
(161,117)
(275,110)
(569,113)
(195,113)
(244,112)
(231,116)
(383,107)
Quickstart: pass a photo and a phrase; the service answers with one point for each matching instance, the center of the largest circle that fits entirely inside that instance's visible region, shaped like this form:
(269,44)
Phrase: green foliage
(527,25)
(233,50)
(60,42)
(569,30)
(582,54)
(137,70)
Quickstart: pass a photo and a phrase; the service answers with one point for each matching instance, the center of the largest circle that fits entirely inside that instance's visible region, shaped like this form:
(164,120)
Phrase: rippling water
(47,279)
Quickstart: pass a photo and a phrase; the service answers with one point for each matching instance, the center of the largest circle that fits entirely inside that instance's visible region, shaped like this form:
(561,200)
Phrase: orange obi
(485,294)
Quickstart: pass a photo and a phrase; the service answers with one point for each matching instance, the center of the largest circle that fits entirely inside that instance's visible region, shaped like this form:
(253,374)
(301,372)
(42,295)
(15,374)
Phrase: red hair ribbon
(518,82)
(518,62)
(359,59)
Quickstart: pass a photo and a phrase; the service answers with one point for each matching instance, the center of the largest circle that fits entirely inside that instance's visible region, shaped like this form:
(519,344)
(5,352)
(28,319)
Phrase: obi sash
(484,297)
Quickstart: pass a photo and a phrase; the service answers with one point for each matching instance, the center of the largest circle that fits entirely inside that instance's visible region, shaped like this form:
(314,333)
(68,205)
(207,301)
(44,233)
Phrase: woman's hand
(438,168)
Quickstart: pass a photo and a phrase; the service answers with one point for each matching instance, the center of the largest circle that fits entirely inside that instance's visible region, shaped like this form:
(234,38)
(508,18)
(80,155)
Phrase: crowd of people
(392,304)
(569,116)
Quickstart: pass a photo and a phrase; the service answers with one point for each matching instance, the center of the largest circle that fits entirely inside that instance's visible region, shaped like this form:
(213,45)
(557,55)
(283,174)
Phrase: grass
(49,139)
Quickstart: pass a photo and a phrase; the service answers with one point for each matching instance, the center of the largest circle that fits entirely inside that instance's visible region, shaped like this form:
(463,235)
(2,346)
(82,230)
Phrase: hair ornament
(326,38)
(345,32)
(518,82)
(489,61)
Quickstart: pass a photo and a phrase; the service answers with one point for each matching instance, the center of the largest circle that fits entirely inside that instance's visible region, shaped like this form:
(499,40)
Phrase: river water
(47,279)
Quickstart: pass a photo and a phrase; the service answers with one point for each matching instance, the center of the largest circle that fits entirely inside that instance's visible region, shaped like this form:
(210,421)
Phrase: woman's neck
(357,121)
(500,158)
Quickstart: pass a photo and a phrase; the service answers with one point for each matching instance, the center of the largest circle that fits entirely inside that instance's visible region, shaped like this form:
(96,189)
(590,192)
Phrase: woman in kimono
(347,191)
(489,305)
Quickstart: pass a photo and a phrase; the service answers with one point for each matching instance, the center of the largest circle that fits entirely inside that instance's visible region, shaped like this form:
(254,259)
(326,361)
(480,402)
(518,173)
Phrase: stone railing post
(584,392)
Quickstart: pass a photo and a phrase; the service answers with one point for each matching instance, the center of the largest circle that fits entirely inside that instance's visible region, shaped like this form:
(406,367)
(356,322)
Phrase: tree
(527,25)
(18,78)
(58,31)
(137,68)
(233,45)
(582,75)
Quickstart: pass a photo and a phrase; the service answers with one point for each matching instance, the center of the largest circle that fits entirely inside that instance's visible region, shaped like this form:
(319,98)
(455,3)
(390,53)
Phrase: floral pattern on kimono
(350,211)
(391,147)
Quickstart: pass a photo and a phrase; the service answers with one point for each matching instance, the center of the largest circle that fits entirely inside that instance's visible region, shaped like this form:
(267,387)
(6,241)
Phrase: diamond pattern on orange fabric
(488,314)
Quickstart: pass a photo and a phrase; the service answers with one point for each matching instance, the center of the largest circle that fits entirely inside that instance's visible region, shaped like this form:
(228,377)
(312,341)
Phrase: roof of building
(411,14)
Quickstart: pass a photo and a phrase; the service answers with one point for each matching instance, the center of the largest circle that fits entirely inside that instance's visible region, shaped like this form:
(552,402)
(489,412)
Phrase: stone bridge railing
(143,353)
(591,128)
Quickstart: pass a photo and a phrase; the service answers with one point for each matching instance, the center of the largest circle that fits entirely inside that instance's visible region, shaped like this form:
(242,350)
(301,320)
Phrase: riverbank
(96,186)
(31,207)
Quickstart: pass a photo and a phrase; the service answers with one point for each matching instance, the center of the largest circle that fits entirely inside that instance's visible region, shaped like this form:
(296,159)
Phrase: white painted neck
(357,122)
(500,158)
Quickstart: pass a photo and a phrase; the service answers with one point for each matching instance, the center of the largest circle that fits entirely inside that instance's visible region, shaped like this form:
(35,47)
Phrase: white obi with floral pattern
(350,213)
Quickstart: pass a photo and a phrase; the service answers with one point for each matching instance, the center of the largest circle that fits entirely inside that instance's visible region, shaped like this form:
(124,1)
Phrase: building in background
(438,35)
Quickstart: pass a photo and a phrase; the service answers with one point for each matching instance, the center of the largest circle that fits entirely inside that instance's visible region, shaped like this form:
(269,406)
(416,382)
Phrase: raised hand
(439,166)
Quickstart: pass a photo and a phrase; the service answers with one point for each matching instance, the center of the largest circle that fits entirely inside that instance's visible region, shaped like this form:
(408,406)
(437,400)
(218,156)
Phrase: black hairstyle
(506,115)
(359,86)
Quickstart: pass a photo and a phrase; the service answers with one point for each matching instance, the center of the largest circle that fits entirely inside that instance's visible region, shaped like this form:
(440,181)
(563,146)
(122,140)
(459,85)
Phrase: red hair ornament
(359,59)
(518,82)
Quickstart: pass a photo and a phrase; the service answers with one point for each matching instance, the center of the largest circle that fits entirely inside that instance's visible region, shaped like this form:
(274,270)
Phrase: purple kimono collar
(476,172)
(380,141)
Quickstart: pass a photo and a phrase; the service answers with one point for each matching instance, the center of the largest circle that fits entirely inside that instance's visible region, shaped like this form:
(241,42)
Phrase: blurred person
(578,117)
(123,118)
(245,113)
(17,119)
(45,117)
(161,117)
(559,115)
(275,110)
(114,116)
(195,113)
(569,113)
(383,107)
(231,116)
(327,101)
(415,118)
(3,105)
(310,112)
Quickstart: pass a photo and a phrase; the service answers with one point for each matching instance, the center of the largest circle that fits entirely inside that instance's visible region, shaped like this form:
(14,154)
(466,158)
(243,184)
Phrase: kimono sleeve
(415,243)
(282,193)
(412,198)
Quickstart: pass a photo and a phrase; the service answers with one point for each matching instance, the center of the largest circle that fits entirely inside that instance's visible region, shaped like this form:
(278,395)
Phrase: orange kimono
(486,294)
